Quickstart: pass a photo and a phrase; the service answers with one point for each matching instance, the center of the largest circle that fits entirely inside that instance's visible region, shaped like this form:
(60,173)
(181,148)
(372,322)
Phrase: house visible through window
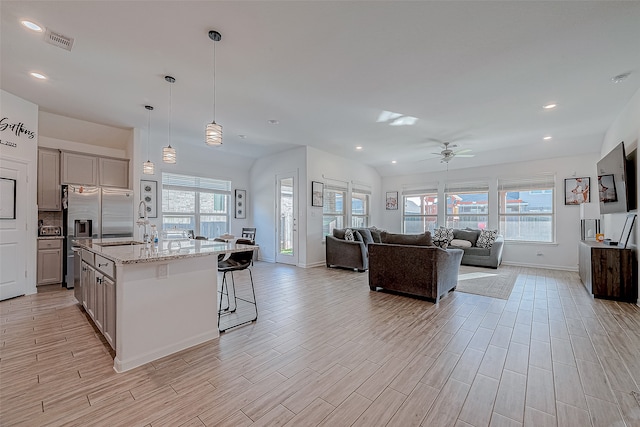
(195,203)
(467,205)
(420,212)
(333,209)
(526,209)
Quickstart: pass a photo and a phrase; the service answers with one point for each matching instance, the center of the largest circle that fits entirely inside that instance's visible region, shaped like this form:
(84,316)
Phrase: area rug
(495,283)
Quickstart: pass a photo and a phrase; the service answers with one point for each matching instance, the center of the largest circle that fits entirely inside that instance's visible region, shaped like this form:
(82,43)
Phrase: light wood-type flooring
(327,351)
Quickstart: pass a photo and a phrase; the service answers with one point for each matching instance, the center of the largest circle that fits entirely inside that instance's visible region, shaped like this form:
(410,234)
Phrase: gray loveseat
(411,264)
(482,257)
(350,254)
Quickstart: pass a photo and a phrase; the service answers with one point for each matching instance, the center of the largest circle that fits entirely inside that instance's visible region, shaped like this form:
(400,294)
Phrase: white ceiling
(478,72)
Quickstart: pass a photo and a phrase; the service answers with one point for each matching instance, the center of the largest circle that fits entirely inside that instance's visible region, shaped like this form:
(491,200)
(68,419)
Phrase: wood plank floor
(327,351)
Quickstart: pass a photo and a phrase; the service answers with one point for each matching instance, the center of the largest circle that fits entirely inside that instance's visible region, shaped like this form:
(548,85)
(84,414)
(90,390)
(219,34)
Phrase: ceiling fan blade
(466,150)
(465,155)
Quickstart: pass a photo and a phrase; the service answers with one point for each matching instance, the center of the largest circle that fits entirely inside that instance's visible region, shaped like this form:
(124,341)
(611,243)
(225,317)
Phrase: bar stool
(249,233)
(237,261)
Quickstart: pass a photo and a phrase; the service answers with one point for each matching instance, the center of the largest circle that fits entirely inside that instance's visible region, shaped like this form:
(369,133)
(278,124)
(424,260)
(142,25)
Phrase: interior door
(13,229)
(286,219)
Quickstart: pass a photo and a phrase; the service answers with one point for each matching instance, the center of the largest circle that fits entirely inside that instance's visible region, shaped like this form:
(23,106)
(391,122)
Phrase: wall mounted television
(617,181)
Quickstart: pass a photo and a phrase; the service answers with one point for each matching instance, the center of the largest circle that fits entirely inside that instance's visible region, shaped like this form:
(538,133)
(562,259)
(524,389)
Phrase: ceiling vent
(59,40)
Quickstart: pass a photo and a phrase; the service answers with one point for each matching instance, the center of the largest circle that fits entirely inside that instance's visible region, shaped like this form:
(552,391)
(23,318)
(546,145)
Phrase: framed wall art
(576,191)
(241,204)
(149,193)
(317,194)
(392,201)
(7,198)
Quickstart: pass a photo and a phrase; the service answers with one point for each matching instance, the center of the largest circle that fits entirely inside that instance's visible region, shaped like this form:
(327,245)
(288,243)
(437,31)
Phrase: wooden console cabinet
(608,271)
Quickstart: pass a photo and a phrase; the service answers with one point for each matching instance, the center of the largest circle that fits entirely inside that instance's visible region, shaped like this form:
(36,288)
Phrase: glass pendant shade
(213,134)
(169,154)
(148,168)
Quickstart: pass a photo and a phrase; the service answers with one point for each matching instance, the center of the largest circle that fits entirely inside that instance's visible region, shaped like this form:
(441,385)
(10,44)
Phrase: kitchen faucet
(143,221)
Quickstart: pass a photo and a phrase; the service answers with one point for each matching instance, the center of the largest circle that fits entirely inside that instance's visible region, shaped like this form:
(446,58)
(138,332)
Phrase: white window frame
(423,193)
(545,184)
(366,196)
(477,187)
(198,185)
(336,188)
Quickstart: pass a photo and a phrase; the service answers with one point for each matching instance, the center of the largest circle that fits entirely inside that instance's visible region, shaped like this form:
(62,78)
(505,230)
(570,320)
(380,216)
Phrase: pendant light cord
(170,83)
(148,132)
(214,81)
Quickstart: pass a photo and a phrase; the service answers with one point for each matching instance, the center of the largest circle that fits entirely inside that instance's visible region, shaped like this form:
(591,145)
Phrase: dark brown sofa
(426,271)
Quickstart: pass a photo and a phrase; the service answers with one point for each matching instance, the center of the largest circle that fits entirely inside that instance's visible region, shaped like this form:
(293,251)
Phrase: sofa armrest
(346,253)
(496,250)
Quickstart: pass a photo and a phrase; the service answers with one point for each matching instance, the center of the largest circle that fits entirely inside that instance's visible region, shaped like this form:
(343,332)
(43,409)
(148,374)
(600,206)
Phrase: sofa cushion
(477,251)
(348,235)
(468,235)
(338,233)
(486,239)
(442,237)
(365,235)
(375,235)
(407,239)
(460,243)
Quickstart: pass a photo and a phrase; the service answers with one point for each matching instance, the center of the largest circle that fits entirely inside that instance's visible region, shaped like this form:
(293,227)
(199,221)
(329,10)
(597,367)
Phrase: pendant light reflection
(148,167)
(168,152)
(213,132)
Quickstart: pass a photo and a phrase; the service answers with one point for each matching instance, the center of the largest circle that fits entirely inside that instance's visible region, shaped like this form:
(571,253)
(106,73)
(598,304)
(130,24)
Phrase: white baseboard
(548,267)
(313,264)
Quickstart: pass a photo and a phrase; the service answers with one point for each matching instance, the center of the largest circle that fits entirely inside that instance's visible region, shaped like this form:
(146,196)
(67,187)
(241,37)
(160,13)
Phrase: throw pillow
(407,239)
(338,233)
(459,243)
(365,233)
(442,237)
(486,239)
(348,235)
(375,235)
(469,235)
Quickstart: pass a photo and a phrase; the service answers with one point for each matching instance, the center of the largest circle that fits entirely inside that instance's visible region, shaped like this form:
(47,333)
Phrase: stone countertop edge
(135,254)
(50,237)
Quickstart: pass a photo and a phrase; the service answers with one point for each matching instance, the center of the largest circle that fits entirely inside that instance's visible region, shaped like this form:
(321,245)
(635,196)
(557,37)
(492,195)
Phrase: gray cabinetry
(109,325)
(79,168)
(49,262)
(48,180)
(113,172)
(99,288)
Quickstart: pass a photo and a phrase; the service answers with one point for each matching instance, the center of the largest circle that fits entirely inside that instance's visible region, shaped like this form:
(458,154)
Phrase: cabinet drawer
(105,265)
(87,256)
(50,244)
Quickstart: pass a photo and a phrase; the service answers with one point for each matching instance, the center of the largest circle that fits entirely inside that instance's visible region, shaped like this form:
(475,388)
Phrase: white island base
(164,307)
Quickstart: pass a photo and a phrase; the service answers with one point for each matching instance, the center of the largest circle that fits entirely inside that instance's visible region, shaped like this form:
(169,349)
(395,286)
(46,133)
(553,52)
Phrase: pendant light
(147,167)
(213,132)
(168,152)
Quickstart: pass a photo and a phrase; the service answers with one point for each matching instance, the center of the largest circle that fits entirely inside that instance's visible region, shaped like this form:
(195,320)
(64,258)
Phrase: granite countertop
(128,251)
(50,237)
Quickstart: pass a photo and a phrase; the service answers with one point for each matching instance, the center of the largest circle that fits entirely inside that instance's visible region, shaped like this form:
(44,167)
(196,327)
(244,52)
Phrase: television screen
(612,183)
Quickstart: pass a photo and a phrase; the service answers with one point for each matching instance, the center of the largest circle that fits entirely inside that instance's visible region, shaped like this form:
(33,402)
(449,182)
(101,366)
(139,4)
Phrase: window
(467,205)
(195,203)
(333,209)
(360,208)
(526,209)
(420,212)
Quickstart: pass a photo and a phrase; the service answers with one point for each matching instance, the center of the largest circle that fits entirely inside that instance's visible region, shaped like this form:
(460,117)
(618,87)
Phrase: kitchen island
(150,302)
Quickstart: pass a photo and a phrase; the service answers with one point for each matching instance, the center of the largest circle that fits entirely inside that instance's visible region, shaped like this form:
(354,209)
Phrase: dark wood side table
(607,271)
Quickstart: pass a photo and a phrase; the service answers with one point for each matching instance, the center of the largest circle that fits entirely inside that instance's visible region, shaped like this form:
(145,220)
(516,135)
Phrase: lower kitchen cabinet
(99,296)
(49,262)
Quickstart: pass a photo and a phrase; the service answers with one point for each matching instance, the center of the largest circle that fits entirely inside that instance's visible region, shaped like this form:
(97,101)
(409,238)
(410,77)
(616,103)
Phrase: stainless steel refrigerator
(94,212)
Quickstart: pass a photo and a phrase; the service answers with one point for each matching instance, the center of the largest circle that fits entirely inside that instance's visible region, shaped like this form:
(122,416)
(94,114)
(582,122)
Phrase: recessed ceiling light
(394,161)
(359,147)
(273,122)
(620,77)
(550,106)
(32,26)
(242,136)
(546,138)
(38,76)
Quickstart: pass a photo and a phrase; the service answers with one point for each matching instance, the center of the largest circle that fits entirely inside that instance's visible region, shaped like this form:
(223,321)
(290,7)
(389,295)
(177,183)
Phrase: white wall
(17,110)
(625,128)
(322,166)
(563,254)
(263,197)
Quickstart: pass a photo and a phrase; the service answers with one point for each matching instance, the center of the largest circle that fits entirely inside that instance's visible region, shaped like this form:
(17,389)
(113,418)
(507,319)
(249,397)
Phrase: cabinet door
(109,311)
(49,266)
(90,286)
(49,193)
(99,298)
(113,172)
(79,169)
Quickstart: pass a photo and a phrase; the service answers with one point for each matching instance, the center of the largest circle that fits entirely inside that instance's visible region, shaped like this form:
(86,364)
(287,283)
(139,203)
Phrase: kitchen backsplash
(50,218)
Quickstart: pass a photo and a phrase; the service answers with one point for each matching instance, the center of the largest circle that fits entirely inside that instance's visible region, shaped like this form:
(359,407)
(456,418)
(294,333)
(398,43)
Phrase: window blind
(535,182)
(430,188)
(194,182)
(467,187)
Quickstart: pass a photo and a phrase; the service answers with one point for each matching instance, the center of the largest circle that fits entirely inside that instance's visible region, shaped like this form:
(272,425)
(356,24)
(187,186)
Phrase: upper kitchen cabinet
(79,168)
(48,180)
(113,172)
(85,169)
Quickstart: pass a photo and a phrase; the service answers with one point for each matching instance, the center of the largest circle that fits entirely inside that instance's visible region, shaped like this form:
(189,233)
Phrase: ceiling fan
(449,153)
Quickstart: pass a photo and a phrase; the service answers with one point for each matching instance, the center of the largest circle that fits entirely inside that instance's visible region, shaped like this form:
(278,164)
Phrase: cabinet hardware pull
(103,265)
